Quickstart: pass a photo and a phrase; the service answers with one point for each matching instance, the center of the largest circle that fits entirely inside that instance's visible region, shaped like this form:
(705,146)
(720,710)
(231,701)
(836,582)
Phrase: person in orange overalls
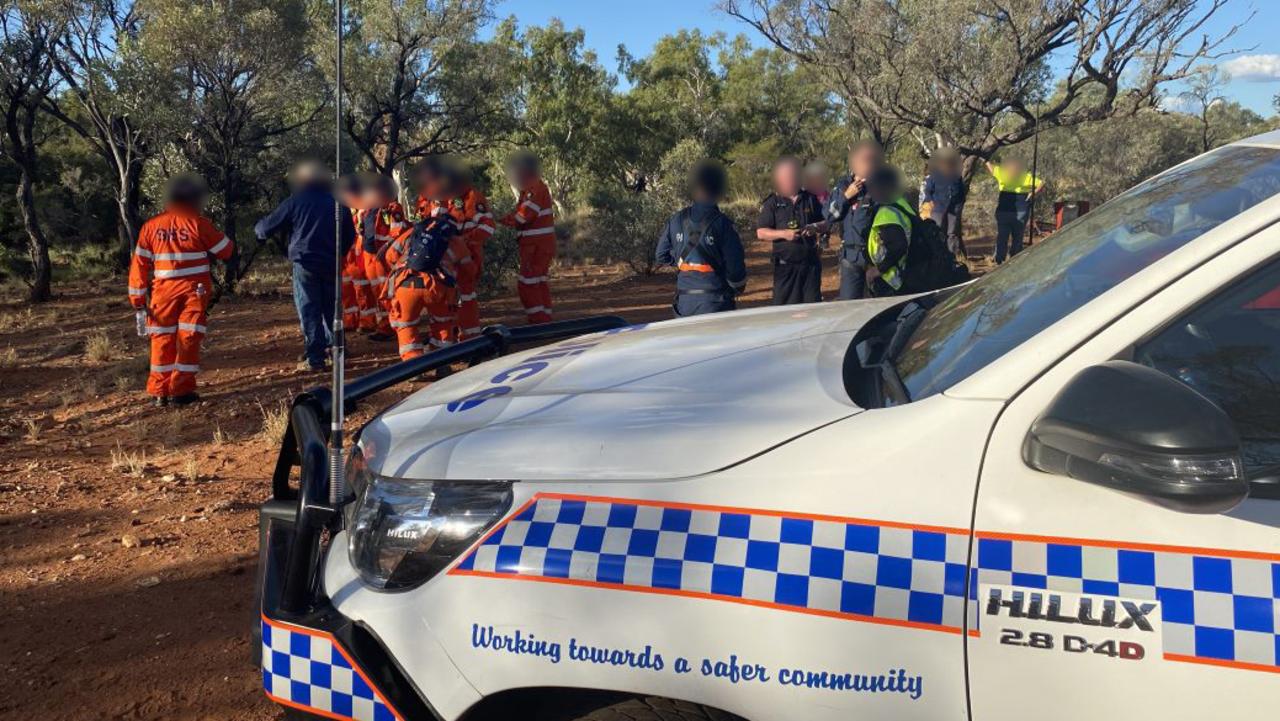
(535,224)
(359,305)
(419,283)
(470,212)
(380,221)
(457,261)
(169,287)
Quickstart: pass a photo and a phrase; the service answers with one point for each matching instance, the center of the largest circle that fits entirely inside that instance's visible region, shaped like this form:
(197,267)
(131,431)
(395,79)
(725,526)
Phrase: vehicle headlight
(401,532)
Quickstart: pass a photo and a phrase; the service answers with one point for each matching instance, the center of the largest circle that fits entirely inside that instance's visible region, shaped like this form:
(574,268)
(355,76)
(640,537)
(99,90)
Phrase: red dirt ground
(126,593)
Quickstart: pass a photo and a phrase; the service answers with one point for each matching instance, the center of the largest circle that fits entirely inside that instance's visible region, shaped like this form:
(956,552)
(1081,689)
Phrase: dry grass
(20,320)
(33,429)
(131,463)
(99,348)
(269,277)
(191,470)
(78,389)
(275,421)
(124,382)
(9,357)
(219,435)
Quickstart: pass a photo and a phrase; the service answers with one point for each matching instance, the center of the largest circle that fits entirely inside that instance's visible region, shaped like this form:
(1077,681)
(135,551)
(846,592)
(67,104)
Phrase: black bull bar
(297,517)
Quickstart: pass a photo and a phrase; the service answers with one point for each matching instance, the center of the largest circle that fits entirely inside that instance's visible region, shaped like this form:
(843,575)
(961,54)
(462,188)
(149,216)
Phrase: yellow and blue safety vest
(897,213)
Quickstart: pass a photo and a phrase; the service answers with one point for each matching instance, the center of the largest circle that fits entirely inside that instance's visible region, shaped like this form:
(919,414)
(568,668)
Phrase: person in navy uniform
(704,247)
(849,206)
(791,218)
(944,191)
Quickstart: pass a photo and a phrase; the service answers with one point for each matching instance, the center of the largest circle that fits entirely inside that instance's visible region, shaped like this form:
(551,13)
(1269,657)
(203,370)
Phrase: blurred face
(428,184)
(864,160)
(519,175)
(350,197)
(786,179)
(815,179)
(1014,167)
(374,198)
(882,195)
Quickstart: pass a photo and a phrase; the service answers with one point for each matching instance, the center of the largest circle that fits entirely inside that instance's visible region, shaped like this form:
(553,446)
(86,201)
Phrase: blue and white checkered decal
(844,568)
(309,670)
(1215,608)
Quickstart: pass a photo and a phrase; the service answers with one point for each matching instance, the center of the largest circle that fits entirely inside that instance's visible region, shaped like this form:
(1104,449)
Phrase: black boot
(159,401)
(185,399)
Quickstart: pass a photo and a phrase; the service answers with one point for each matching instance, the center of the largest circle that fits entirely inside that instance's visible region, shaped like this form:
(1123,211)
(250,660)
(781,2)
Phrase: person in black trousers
(791,219)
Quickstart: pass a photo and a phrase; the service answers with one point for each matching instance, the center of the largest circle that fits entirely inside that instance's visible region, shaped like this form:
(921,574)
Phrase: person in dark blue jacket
(944,190)
(306,217)
(850,206)
(702,244)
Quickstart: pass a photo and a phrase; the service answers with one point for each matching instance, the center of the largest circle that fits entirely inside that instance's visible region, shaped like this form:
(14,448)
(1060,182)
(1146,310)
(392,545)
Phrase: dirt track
(128,534)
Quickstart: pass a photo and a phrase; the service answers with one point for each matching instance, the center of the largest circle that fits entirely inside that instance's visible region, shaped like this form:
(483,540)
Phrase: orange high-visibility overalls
(535,224)
(470,211)
(171,263)
(412,294)
(376,230)
(359,308)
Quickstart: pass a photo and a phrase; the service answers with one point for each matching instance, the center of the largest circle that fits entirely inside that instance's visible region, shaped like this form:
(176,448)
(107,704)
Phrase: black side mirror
(1132,428)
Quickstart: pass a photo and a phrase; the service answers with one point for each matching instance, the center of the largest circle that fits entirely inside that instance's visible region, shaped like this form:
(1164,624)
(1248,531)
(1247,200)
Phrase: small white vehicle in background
(1052,493)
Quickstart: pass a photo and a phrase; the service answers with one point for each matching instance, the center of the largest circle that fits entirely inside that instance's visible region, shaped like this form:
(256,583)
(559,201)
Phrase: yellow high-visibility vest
(1021,184)
(897,213)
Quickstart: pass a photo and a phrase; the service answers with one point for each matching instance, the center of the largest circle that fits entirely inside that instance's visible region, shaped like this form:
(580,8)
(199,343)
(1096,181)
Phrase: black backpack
(428,244)
(930,264)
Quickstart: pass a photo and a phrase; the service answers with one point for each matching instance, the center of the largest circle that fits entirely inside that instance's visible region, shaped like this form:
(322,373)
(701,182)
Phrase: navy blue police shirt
(698,272)
(854,215)
(307,217)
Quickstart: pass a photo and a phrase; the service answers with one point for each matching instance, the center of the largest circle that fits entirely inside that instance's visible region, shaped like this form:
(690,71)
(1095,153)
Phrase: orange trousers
(416,296)
(352,287)
(176,323)
(376,271)
(536,255)
(468,305)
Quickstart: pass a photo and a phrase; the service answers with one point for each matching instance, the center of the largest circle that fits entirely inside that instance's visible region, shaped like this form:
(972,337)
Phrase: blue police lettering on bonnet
(528,368)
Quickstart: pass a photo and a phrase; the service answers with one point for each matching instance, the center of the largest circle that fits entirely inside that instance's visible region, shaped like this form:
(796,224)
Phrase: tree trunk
(229,229)
(37,242)
(129,220)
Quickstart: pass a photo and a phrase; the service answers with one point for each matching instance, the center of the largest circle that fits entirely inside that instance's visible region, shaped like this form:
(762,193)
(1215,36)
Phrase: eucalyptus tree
(29,30)
(982,75)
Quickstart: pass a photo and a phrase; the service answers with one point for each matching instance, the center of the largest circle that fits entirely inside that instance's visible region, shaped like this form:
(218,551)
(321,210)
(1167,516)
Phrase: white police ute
(1051,493)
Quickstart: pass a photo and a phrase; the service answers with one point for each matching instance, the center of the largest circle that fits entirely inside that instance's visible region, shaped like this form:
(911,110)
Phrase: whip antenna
(338,354)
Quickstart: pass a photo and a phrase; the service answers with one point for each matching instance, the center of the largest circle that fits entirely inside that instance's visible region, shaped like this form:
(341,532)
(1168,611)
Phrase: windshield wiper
(908,320)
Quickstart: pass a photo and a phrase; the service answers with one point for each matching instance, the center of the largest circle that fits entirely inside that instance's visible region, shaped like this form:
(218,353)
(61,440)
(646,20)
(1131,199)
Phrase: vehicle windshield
(989,317)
